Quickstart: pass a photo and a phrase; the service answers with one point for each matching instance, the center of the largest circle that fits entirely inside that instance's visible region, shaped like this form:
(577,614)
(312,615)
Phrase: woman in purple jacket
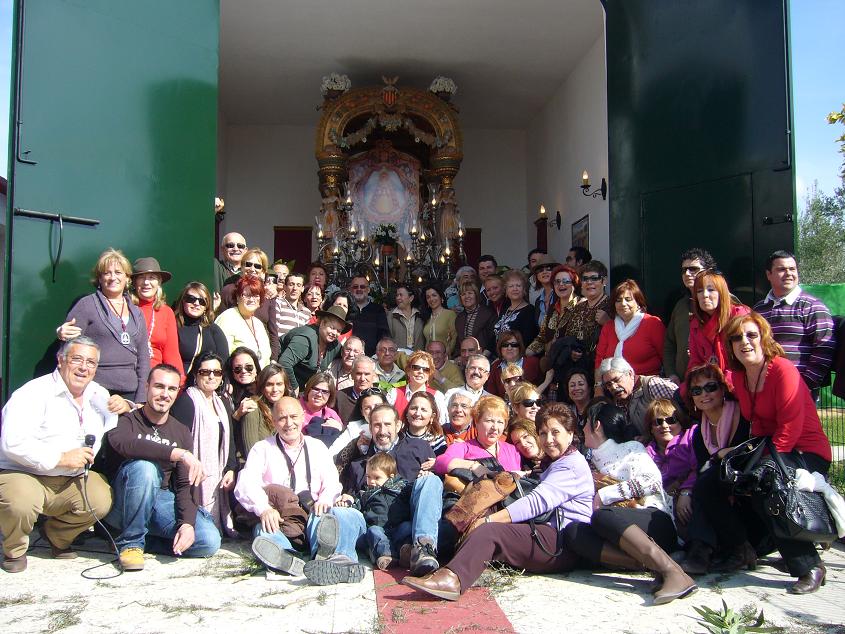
(506,535)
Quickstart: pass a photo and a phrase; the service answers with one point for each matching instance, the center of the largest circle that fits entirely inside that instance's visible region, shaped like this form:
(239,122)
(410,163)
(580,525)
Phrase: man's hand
(228,480)
(427,465)
(320,507)
(344,500)
(184,539)
(195,472)
(270,521)
(118,405)
(683,508)
(68,330)
(76,458)
(597,503)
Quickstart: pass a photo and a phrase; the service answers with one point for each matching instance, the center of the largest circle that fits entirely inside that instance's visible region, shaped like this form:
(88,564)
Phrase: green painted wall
(699,149)
(119,110)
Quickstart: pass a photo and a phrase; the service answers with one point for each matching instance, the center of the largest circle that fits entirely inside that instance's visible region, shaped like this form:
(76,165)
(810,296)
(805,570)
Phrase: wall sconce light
(557,220)
(542,211)
(585,186)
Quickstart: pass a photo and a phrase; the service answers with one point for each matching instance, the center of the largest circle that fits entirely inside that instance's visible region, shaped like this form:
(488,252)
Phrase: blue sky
(818,88)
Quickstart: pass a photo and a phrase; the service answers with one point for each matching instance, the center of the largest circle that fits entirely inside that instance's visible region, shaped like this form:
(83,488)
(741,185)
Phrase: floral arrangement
(386,233)
(443,85)
(335,82)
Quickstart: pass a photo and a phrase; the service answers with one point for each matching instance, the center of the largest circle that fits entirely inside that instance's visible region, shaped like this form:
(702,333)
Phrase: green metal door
(117,104)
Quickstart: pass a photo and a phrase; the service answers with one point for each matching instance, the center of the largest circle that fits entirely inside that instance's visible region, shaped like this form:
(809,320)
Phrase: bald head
(287,419)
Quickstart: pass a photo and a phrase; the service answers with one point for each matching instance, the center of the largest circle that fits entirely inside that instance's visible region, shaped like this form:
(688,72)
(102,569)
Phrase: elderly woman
(518,314)
(148,295)
(522,434)
(312,348)
(774,397)
(253,264)
(316,274)
(526,401)
(109,317)
(240,325)
(240,372)
(712,309)
(440,325)
(511,349)
(476,320)
(317,398)
(542,272)
(418,369)
(422,420)
(198,333)
(459,428)
(405,321)
(507,535)
(584,321)
(632,334)
(564,281)
(645,532)
(203,411)
(490,416)
(257,424)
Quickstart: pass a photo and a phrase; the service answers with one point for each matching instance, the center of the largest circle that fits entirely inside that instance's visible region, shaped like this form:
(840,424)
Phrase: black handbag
(524,486)
(793,514)
(739,468)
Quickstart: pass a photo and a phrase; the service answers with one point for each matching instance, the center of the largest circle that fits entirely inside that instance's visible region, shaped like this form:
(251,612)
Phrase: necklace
(124,336)
(251,327)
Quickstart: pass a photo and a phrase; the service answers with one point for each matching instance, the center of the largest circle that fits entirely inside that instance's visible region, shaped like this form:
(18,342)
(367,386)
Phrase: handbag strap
(535,536)
(778,460)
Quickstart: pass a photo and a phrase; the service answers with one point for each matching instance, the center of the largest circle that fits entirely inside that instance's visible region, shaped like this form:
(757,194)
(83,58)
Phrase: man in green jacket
(312,348)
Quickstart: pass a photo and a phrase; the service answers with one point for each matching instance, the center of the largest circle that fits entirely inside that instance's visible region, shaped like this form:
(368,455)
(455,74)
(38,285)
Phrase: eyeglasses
(240,369)
(710,387)
(205,372)
(751,336)
(193,299)
(320,390)
(563,282)
(513,379)
(252,265)
(692,270)
(387,351)
(510,344)
(545,268)
(420,368)
(671,420)
(78,361)
(479,370)
(591,278)
(531,402)
(232,245)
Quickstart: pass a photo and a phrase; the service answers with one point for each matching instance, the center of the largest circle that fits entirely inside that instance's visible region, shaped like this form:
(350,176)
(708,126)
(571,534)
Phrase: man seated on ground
(341,368)
(633,393)
(154,477)
(446,374)
(475,376)
(44,459)
(414,460)
(363,378)
(388,372)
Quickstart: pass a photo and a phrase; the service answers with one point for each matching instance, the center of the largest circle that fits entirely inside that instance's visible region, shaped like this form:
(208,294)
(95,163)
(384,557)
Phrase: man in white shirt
(44,459)
(475,376)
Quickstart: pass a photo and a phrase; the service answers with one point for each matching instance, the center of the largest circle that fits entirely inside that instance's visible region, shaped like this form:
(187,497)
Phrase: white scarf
(626,331)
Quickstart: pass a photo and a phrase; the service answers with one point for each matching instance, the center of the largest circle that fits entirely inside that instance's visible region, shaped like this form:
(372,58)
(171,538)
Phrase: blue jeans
(351,527)
(280,538)
(427,507)
(387,541)
(142,510)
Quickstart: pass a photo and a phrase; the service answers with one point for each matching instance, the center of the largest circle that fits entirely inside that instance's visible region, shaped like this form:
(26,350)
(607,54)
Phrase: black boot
(697,561)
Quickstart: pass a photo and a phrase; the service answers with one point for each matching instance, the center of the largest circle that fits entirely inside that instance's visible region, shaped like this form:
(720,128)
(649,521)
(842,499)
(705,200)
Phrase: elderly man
(631,392)
(414,459)
(341,368)
(801,324)
(52,428)
(308,349)
(475,376)
(460,427)
(154,475)
(389,373)
(370,321)
(232,249)
(469,347)
(446,373)
(363,377)
(286,312)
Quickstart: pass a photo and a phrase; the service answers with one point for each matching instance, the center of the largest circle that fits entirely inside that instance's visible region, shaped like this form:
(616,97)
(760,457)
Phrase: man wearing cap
(232,249)
(308,349)
(162,333)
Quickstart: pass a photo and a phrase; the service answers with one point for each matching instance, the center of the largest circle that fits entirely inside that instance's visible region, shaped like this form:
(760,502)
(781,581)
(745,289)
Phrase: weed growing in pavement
(397,615)
(321,598)
(499,577)
(727,621)
(67,616)
(21,599)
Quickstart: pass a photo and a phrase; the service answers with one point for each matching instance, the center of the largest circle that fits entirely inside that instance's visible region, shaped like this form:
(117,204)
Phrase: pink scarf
(720,437)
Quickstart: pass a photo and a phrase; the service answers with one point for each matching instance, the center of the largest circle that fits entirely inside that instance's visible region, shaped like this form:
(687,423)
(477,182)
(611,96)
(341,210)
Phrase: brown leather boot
(742,556)
(616,559)
(676,583)
(443,584)
(478,497)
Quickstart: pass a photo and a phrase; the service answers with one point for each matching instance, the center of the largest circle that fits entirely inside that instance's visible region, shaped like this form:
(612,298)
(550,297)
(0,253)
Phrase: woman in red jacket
(632,333)
(712,309)
(162,333)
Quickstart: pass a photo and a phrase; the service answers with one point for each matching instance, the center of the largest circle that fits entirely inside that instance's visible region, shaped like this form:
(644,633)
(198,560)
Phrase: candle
(542,211)
(585,179)
(375,263)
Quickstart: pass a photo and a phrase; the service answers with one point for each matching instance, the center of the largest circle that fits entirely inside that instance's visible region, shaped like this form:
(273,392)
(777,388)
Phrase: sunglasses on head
(233,245)
(591,278)
(420,368)
(193,299)
(240,369)
(710,387)
(531,402)
(751,336)
(206,372)
(513,379)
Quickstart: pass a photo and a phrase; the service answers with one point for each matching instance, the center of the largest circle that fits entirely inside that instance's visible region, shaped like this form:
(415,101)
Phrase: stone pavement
(227,593)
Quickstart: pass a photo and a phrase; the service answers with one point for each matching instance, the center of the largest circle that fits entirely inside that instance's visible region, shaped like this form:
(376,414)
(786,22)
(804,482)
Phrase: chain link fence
(832,414)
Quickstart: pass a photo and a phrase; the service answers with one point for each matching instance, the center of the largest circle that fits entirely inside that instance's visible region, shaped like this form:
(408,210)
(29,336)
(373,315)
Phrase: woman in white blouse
(239,323)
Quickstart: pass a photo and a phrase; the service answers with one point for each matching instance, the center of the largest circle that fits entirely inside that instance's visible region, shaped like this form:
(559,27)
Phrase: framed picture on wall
(581,232)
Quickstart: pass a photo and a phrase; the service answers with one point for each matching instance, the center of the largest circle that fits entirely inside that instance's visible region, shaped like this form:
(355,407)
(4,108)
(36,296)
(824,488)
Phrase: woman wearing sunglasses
(317,398)
(418,370)
(239,374)
(565,282)
(510,349)
(201,408)
(526,401)
(198,333)
(774,397)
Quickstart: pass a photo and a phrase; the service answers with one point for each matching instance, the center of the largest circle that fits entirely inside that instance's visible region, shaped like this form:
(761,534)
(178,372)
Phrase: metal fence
(832,414)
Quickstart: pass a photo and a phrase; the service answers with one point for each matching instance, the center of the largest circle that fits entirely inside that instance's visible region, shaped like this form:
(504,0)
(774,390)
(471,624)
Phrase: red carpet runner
(406,611)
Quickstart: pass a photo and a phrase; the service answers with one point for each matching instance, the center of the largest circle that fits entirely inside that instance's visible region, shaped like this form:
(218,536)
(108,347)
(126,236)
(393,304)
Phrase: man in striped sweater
(801,324)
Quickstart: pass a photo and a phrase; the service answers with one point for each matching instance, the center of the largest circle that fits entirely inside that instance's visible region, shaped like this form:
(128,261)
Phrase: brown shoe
(14,564)
(62,553)
(443,584)
(384,562)
(742,556)
(810,582)
(676,583)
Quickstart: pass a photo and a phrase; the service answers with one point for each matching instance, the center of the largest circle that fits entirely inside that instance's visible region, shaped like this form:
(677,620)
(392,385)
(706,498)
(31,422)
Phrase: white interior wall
(568,136)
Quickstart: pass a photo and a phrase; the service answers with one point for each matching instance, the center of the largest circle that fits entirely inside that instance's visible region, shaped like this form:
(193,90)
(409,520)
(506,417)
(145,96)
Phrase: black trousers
(736,520)
(608,524)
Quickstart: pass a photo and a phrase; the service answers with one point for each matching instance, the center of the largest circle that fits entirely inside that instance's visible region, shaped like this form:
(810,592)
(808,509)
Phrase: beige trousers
(24,496)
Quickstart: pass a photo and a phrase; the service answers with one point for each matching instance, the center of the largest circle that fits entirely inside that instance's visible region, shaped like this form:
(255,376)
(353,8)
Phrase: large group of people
(319,424)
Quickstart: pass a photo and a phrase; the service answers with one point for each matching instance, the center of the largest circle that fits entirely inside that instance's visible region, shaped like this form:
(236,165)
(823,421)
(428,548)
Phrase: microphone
(90,439)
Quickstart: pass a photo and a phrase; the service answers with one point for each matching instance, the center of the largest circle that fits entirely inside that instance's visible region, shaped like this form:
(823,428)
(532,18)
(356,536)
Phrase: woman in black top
(519,314)
(198,333)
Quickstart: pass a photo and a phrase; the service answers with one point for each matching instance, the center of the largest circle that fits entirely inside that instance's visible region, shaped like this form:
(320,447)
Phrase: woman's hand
(270,521)
(427,465)
(247,405)
(602,317)
(216,300)
(227,482)
(597,503)
(68,330)
(344,500)
(683,508)
(320,507)
(363,442)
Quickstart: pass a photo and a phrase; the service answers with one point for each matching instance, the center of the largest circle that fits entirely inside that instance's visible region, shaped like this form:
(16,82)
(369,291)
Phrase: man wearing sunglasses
(369,322)
(631,392)
(232,249)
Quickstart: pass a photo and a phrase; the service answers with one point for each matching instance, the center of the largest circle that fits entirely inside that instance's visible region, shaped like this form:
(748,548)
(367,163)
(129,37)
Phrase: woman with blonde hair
(418,369)
(519,314)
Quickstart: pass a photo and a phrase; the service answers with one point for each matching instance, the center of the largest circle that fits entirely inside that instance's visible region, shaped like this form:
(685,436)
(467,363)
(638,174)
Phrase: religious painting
(581,232)
(385,188)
